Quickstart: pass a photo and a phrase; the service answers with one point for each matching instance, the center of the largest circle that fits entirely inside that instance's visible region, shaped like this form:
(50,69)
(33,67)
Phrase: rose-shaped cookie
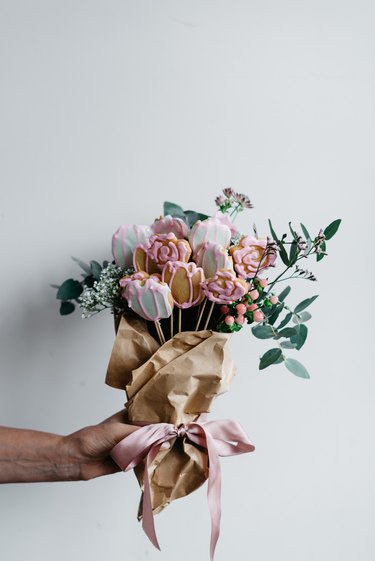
(224,287)
(251,256)
(167,247)
(184,280)
(125,240)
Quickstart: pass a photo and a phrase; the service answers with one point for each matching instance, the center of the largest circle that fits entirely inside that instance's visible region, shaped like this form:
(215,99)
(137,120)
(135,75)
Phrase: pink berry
(229,320)
(224,310)
(240,319)
(254,294)
(274,299)
(263,282)
(252,307)
(258,316)
(241,308)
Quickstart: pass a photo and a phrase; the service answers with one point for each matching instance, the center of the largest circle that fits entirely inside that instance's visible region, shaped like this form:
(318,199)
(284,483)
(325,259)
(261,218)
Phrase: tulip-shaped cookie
(184,280)
(125,240)
(212,257)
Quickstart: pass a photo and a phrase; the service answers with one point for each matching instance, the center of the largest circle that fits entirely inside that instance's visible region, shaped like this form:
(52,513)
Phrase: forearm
(32,456)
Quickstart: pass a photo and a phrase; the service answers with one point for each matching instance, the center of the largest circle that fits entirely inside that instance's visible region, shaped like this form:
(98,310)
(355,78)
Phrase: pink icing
(210,230)
(225,219)
(249,256)
(194,277)
(168,224)
(150,299)
(124,241)
(166,247)
(212,257)
(224,287)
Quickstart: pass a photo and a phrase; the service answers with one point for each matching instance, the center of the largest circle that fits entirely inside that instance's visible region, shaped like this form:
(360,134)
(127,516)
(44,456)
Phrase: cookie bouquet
(178,289)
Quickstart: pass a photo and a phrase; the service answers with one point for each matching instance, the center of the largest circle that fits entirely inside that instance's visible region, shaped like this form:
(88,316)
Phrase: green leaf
(270,357)
(83,265)
(283,253)
(305,303)
(89,281)
(69,290)
(305,232)
(287,345)
(323,247)
(293,253)
(287,332)
(296,368)
(285,321)
(284,293)
(193,217)
(331,230)
(262,331)
(96,269)
(173,210)
(302,317)
(300,337)
(66,308)
(275,313)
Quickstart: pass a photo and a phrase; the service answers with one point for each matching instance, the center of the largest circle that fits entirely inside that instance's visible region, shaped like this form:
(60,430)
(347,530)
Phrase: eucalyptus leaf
(331,230)
(300,337)
(83,265)
(262,331)
(270,357)
(275,312)
(285,321)
(287,345)
(69,290)
(66,308)
(193,217)
(302,317)
(287,333)
(296,368)
(305,232)
(305,303)
(173,210)
(96,269)
(284,293)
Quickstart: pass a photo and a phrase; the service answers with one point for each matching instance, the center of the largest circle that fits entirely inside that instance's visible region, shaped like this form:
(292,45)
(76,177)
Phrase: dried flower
(242,200)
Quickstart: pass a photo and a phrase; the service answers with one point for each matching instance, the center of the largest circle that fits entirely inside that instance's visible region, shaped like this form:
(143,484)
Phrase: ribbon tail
(148,523)
(213,493)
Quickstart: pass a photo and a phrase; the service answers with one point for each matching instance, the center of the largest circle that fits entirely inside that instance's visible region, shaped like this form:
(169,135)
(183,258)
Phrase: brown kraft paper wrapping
(172,383)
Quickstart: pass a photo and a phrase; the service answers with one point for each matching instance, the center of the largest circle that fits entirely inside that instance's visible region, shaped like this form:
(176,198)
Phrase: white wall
(109,108)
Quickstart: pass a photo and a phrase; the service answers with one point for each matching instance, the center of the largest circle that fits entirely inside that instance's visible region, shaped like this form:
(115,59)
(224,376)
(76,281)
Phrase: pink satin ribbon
(220,438)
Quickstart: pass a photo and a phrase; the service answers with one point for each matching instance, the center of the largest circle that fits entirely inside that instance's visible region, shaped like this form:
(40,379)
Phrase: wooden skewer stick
(160,332)
(201,314)
(209,315)
(171,324)
(179,319)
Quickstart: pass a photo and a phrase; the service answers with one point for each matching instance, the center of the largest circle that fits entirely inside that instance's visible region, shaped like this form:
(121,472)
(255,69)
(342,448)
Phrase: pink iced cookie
(212,257)
(166,247)
(142,261)
(210,230)
(124,241)
(184,280)
(169,224)
(250,256)
(151,299)
(224,287)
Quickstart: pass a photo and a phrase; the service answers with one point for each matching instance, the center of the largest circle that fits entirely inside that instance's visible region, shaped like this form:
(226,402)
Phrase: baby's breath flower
(105,292)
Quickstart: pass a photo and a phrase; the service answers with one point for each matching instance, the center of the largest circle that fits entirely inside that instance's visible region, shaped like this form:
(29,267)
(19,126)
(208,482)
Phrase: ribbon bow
(220,438)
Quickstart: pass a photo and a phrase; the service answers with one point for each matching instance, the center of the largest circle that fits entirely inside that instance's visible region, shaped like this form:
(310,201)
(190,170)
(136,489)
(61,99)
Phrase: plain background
(108,108)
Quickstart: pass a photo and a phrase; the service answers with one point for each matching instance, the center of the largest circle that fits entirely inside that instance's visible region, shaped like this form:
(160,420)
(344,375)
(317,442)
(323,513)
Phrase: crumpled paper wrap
(172,383)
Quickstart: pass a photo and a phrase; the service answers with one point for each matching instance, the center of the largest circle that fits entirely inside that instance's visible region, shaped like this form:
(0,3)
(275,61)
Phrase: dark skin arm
(33,456)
